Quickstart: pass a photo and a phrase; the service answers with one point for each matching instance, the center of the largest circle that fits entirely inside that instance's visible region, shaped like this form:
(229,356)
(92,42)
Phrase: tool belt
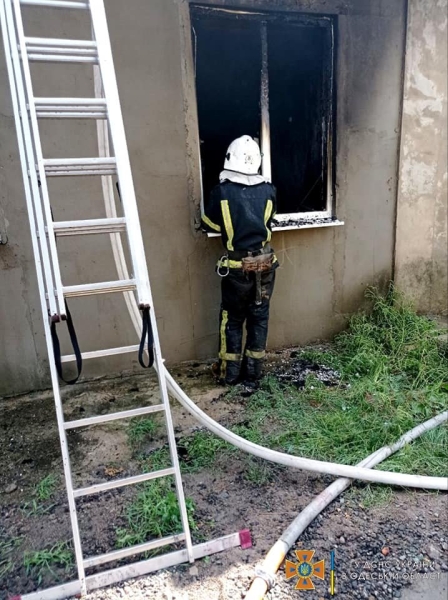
(254,261)
(257,264)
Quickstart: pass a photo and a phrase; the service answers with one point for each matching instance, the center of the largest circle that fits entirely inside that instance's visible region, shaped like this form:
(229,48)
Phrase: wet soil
(226,497)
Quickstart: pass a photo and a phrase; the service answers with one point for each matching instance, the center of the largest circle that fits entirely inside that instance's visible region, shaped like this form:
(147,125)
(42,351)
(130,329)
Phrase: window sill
(289,225)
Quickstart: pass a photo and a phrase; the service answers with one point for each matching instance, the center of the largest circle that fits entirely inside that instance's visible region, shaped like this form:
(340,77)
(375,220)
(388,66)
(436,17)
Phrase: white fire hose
(265,575)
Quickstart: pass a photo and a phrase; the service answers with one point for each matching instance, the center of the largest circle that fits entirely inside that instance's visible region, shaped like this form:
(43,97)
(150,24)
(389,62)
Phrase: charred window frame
(306,166)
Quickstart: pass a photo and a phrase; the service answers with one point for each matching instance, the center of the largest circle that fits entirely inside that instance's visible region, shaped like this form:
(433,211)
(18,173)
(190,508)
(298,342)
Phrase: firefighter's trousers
(238,306)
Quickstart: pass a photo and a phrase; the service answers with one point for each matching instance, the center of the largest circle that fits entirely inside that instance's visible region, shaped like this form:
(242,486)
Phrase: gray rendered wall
(421,250)
(324,271)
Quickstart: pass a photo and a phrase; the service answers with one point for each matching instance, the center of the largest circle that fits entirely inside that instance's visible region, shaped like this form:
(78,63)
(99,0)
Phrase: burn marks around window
(230,48)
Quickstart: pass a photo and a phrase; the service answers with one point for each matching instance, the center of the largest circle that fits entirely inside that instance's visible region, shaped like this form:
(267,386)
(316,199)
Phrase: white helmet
(243,156)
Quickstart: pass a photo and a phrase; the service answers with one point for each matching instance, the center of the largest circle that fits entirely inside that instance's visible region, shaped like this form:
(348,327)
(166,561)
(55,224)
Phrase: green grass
(43,492)
(154,513)
(141,429)
(157,459)
(7,547)
(196,451)
(200,451)
(258,472)
(370,496)
(46,488)
(394,376)
(392,339)
(40,562)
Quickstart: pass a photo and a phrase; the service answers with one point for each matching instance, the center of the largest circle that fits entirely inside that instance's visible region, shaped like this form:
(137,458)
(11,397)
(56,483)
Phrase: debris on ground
(296,371)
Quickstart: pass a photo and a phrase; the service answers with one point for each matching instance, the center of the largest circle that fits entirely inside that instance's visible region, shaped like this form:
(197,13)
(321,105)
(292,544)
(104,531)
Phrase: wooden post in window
(264,102)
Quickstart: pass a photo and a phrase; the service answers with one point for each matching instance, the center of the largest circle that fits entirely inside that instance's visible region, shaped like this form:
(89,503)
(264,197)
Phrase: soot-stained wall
(324,271)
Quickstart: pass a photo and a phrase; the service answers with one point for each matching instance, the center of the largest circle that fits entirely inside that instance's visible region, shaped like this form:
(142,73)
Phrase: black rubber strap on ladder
(148,338)
(57,348)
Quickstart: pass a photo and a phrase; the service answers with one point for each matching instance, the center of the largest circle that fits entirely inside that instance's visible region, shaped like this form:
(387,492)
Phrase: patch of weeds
(153,514)
(394,375)
(200,450)
(41,562)
(156,460)
(33,508)
(46,487)
(370,496)
(43,492)
(259,472)
(7,547)
(424,456)
(393,339)
(142,428)
(232,394)
(251,431)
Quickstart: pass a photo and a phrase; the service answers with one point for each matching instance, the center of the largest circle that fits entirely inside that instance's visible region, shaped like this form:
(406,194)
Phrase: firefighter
(241,208)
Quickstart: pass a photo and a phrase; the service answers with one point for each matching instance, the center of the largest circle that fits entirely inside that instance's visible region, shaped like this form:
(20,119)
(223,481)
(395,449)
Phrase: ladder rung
(131,551)
(55,3)
(67,58)
(71,108)
(61,50)
(57,167)
(105,287)
(89,226)
(117,483)
(125,414)
(100,353)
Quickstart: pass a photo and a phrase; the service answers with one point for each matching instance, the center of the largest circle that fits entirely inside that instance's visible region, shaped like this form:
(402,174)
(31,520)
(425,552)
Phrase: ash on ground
(296,371)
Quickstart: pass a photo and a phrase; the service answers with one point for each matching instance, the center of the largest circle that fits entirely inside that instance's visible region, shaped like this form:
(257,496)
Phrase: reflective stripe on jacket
(242,214)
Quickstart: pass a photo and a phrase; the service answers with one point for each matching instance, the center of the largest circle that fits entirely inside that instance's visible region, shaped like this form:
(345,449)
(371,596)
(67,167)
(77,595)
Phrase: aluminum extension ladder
(20,51)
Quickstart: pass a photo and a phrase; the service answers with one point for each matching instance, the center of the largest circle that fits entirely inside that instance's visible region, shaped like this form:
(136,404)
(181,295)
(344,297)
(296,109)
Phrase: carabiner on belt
(220,266)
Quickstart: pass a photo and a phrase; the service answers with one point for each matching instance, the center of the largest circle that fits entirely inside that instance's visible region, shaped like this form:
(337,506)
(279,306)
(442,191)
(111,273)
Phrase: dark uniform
(243,215)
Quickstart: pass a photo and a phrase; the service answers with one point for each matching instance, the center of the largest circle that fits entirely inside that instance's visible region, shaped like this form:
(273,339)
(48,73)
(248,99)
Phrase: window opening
(268,75)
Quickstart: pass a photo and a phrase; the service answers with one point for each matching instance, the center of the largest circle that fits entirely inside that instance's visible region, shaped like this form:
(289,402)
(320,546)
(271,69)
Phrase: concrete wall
(324,271)
(421,249)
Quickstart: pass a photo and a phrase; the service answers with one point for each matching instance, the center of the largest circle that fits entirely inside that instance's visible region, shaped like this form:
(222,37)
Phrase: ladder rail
(7,21)
(27,154)
(38,151)
(171,437)
(116,126)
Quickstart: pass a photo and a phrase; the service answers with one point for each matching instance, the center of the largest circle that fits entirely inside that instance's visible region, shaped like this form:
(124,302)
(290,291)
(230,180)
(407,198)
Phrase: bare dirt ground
(411,527)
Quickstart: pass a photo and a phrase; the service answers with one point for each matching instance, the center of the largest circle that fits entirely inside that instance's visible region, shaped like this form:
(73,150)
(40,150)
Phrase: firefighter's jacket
(242,214)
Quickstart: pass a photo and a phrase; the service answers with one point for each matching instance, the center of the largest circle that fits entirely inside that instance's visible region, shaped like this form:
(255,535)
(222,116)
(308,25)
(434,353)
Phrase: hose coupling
(267,577)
